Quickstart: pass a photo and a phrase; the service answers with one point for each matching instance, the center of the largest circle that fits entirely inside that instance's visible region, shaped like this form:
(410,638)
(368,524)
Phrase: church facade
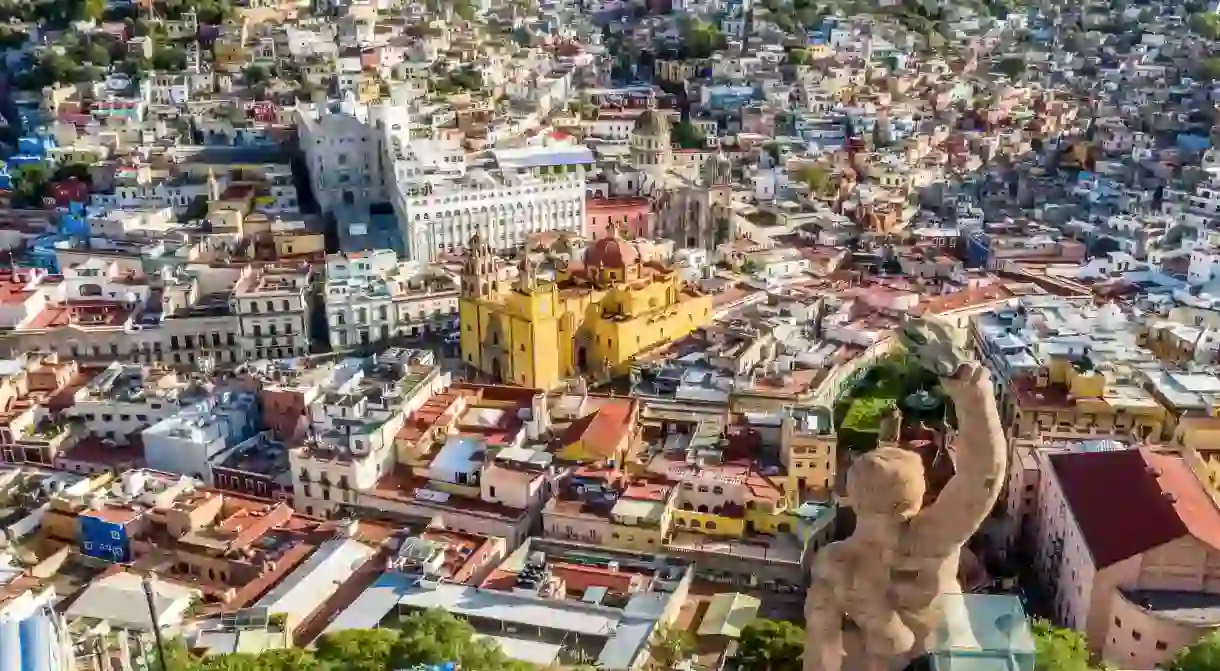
(592,320)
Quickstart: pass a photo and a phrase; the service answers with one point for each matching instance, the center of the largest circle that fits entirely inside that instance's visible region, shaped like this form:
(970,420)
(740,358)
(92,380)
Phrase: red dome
(611,252)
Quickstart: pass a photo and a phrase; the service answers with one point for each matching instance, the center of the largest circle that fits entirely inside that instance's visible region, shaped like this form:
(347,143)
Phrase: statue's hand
(932,343)
(970,386)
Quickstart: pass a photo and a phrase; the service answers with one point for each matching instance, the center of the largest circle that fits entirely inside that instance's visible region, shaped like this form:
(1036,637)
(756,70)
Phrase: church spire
(478,269)
(526,280)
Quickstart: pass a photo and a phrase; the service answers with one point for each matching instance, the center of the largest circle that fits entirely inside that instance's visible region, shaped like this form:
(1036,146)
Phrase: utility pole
(152,615)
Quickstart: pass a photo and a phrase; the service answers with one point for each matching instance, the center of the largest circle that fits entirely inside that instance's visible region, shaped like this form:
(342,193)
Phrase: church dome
(611,252)
(651,122)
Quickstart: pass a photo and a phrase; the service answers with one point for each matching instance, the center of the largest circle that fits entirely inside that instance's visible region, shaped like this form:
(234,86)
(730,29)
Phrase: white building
(186,442)
(352,427)
(138,186)
(510,195)
(272,303)
(372,296)
(125,399)
(1204,267)
(342,151)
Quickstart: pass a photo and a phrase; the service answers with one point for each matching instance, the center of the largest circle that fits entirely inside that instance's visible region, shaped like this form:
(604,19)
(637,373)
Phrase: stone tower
(479,278)
(718,172)
(526,275)
(650,145)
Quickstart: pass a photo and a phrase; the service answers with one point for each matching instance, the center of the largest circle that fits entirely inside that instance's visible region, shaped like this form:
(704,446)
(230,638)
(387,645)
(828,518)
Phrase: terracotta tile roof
(577,430)
(611,422)
(580,578)
(1161,502)
(963,299)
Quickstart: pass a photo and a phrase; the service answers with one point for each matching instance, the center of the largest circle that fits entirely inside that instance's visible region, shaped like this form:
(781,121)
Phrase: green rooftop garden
(862,409)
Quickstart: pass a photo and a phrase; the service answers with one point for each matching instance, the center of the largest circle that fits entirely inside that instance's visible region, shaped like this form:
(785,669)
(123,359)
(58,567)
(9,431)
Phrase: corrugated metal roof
(371,607)
(312,583)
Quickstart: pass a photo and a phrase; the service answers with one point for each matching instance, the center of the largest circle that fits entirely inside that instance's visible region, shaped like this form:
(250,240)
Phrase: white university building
(504,197)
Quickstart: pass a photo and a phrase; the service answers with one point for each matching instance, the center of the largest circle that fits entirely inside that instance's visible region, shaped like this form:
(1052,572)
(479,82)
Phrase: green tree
(83,10)
(1012,66)
(1206,24)
(177,657)
(785,21)
(256,74)
(468,79)
(773,150)
(96,54)
(11,38)
(135,67)
(770,645)
(669,647)
(798,57)
(56,68)
(1202,655)
(435,637)
(169,58)
(818,179)
(1209,69)
(464,10)
(1059,649)
(688,136)
(30,184)
(702,39)
(289,659)
(236,661)
(213,12)
(73,171)
(357,649)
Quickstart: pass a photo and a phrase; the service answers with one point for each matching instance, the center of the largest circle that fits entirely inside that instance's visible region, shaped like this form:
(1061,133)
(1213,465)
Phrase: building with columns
(503,198)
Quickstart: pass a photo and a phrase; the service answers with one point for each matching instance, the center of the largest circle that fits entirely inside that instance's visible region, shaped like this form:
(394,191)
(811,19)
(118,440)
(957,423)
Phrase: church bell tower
(479,271)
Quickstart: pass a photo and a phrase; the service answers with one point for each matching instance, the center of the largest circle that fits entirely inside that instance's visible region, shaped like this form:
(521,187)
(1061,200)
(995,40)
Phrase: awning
(728,614)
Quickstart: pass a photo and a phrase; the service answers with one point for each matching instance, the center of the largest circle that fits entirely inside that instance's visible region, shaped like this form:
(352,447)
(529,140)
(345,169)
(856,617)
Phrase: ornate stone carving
(873,600)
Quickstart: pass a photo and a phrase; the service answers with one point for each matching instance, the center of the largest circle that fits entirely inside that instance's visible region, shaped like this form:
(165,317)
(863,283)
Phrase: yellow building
(731,501)
(808,453)
(676,71)
(592,320)
(230,55)
(1067,399)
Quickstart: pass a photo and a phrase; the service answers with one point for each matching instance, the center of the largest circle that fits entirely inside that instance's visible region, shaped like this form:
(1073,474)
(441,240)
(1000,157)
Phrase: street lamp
(152,615)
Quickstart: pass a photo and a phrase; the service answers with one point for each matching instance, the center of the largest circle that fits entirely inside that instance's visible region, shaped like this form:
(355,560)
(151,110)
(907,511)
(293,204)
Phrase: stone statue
(872,603)
(891,425)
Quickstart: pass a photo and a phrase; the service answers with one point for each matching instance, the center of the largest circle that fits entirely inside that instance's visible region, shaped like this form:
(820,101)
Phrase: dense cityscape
(524,335)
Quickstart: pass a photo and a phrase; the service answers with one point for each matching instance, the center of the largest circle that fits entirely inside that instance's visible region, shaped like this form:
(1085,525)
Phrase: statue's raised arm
(980,450)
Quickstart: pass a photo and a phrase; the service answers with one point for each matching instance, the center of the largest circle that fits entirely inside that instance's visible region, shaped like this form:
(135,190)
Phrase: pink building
(1128,543)
(633,216)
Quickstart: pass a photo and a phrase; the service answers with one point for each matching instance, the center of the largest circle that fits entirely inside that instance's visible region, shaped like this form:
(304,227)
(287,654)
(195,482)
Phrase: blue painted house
(41,253)
(104,533)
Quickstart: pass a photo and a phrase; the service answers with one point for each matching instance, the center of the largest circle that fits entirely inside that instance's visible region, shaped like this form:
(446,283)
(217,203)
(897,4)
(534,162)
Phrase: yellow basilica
(592,320)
